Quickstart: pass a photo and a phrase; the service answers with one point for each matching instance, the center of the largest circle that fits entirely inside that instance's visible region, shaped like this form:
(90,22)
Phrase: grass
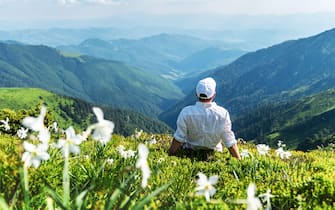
(102,177)
(305,181)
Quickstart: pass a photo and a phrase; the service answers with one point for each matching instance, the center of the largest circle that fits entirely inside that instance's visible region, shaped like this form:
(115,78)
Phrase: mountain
(72,111)
(283,72)
(95,80)
(164,54)
(208,58)
(302,124)
(68,36)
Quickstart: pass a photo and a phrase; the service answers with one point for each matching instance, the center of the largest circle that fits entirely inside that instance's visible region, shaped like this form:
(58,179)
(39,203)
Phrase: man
(205,125)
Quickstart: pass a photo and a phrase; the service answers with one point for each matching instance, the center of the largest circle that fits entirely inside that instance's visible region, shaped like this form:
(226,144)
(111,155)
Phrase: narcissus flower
(253,202)
(71,143)
(262,149)
(103,129)
(266,197)
(125,153)
(36,123)
(205,185)
(5,124)
(245,153)
(33,154)
(142,163)
(22,133)
(138,133)
(110,161)
(283,154)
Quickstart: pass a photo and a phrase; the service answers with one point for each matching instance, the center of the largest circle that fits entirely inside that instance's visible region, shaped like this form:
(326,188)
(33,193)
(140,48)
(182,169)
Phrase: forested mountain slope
(302,124)
(94,80)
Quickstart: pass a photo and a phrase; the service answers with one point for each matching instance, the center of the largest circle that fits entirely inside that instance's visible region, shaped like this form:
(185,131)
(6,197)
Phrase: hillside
(94,80)
(303,124)
(71,111)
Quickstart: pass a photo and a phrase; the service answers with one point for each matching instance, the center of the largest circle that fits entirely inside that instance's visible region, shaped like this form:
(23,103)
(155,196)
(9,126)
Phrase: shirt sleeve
(228,135)
(181,131)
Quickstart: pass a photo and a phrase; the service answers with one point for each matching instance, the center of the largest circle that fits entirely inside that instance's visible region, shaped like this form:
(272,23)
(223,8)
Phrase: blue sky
(192,13)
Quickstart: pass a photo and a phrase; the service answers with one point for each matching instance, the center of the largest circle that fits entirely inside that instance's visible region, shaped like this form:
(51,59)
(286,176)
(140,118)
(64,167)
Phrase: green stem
(66,178)
(26,186)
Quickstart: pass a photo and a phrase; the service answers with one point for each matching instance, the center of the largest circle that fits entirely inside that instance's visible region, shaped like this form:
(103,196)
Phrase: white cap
(206,88)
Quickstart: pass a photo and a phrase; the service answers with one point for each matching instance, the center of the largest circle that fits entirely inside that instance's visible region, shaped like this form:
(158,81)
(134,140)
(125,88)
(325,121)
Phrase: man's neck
(205,100)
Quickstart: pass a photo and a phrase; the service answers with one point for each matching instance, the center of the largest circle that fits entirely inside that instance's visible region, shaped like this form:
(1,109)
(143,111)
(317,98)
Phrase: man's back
(204,125)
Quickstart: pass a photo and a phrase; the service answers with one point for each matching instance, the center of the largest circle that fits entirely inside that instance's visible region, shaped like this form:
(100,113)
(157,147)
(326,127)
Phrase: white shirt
(205,125)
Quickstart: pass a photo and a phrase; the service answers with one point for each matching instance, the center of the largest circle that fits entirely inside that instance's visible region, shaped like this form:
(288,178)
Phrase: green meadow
(111,175)
(101,178)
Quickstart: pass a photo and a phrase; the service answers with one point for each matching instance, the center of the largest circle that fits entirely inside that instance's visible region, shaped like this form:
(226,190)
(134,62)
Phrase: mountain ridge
(89,78)
(161,54)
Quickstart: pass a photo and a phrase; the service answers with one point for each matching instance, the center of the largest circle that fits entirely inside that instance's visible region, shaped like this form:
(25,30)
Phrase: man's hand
(175,147)
(234,151)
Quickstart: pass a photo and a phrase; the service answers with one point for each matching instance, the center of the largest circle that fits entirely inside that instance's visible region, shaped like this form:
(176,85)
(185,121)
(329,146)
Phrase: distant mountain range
(241,39)
(68,111)
(162,54)
(95,80)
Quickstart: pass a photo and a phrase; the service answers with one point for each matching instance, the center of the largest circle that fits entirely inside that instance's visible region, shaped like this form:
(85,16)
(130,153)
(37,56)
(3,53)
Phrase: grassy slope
(68,111)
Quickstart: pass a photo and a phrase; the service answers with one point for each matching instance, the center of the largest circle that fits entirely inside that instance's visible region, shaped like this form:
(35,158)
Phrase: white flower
(103,129)
(262,149)
(44,135)
(110,161)
(267,197)
(55,127)
(280,144)
(130,153)
(253,202)
(283,154)
(5,124)
(152,140)
(205,185)
(34,154)
(245,153)
(125,154)
(22,133)
(142,163)
(71,143)
(138,133)
(36,123)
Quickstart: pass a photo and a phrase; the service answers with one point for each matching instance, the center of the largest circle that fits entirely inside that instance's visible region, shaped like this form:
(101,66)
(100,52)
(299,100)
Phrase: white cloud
(105,2)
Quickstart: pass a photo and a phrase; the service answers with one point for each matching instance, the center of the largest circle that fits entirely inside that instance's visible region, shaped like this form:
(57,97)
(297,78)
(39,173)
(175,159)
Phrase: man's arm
(175,147)
(234,151)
